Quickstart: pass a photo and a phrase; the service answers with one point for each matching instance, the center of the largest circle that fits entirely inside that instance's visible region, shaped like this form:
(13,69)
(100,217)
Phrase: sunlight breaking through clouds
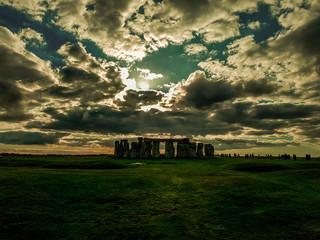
(243,76)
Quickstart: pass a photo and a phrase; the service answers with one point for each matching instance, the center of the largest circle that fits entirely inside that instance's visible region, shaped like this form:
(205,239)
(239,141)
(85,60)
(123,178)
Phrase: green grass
(106,198)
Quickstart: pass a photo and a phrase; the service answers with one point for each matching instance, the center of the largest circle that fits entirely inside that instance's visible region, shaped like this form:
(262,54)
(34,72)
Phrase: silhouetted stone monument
(169,149)
(181,150)
(120,149)
(144,150)
(209,151)
(148,147)
(125,148)
(155,149)
(134,149)
(192,150)
(200,150)
(139,146)
(308,157)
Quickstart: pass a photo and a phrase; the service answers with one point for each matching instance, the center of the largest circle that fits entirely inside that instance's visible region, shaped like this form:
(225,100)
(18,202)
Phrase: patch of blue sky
(269,25)
(141,10)
(92,48)
(220,49)
(172,62)
(266,101)
(53,35)
(176,65)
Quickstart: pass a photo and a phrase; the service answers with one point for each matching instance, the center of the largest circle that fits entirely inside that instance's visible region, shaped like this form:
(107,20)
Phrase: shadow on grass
(65,165)
(85,166)
(258,167)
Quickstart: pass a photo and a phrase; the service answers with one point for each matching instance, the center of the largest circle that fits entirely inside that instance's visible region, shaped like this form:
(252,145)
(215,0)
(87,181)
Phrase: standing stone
(155,149)
(144,150)
(178,149)
(120,149)
(209,151)
(169,149)
(186,150)
(181,150)
(212,151)
(149,147)
(192,150)
(200,150)
(134,148)
(308,157)
(139,146)
(125,148)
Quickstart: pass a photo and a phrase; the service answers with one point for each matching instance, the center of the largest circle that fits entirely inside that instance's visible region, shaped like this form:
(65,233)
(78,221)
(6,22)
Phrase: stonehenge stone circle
(150,148)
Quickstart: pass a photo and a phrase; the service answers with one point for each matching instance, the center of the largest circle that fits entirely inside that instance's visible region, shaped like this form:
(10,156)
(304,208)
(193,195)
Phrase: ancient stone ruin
(150,148)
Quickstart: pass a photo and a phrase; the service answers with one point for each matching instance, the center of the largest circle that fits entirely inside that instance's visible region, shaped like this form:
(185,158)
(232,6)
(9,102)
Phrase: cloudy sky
(77,75)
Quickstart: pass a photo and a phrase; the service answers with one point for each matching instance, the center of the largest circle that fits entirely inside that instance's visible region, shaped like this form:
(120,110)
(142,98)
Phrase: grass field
(106,198)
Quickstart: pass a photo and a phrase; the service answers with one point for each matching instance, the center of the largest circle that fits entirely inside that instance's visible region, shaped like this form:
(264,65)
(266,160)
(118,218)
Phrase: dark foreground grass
(105,198)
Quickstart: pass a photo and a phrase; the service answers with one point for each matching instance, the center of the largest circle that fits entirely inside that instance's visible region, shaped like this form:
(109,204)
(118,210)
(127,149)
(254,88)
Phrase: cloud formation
(30,138)
(202,92)
(20,73)
(241,74)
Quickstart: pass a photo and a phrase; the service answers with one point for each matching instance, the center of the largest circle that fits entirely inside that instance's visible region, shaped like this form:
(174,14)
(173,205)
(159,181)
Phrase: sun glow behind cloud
(239,75)
(144,85)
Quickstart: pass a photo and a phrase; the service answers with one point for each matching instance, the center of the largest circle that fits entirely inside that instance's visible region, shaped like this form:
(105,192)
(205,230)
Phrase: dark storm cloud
(268,117)
(310,128)
(15,66)
(85,86)
(224,144)
(135,99)
(63,92)
(18,68)
(235,113)
(103,119)
(11,103)
(84,78)
(30,138)
(72,74)
(202,92)
(304,40)
(256,87)
(284,111)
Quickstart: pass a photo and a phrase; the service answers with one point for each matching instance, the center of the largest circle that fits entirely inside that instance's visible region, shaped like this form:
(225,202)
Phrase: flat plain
(99,197)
